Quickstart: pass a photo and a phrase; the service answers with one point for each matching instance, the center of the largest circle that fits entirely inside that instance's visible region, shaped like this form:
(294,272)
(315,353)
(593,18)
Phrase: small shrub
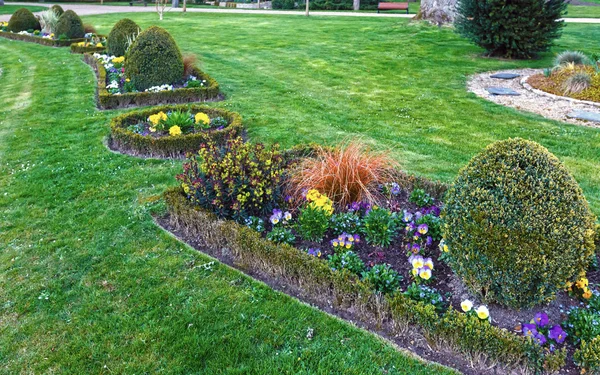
(119,36)
(346,260)
(281,235)
(427,295)
(383,278)
(345,222)
(236,180)
(218,122)
(588,356)
(189,64)
(70,25)
(256,223)
(153,60)
(518,29)
(351,173)
(571,57)
(313,220)
(582,324)
(380,226)
(421,198)
(49,21)
(517,224)
(23,20)
(57,9)
(577,83)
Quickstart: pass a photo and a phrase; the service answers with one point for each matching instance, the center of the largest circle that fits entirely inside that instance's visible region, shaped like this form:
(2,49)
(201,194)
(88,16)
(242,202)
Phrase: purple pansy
(557,334)
(541,319)
(541,339)
(530,330)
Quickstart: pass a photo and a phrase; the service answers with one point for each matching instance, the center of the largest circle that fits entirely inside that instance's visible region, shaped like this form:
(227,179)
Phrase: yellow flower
(99,45)
(152,130)
(81,44)
(116,60)
(127,80)
(482,312)
(156,118)
(582,283)
(425,273)
(175,130)
(52,35)
(587,294)
(466,305)
(202,118)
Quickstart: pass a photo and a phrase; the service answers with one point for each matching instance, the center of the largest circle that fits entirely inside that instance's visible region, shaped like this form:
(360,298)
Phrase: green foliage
(217,122)
(23,20)
(421,198)
(70,25)
(380,226)
(588,356)
(383,278)
(153,60)
(57,9)
(434,224)
(120,35)
(582,324)
(519,29)
(575,57)
(236,180)
(345,222)
(284,4)
(183,119)
(348,260)
(281,234)
(517,224)
(427,295)
(312,223)
(256,223)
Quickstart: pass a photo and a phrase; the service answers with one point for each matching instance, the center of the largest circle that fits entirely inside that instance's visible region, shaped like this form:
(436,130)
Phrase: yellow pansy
(202,118)
(175,130)
(116,60)
(158,117)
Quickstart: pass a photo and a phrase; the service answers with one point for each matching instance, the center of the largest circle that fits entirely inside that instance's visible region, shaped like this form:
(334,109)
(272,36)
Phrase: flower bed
(93,44)
(114,91)
(158,133)
(380,234)
(46,40)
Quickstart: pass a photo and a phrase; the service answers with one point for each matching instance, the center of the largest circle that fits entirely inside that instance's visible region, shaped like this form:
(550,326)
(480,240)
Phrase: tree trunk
(184,6)
(306,12)
(438,12)
(356,4)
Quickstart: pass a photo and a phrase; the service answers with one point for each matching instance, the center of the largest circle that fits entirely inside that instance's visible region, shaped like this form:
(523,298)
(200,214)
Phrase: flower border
(75,49)
(40,40)
(106,100)
(254,255)
(134,144)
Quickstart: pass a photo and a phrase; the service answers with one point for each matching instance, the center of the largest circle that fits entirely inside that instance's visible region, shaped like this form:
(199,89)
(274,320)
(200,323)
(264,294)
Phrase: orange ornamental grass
(350,173)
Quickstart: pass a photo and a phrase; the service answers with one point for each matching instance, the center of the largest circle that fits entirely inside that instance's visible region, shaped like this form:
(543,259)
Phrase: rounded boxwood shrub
(517,224)
(57,9)
(118,37)
(23,20)
(70,24)
(153,60)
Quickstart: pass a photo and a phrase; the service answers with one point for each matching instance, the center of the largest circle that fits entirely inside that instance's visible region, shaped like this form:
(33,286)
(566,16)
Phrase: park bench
(392,6)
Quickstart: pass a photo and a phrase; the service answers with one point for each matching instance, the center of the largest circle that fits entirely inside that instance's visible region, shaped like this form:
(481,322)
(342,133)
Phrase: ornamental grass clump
(236,180)
(517,225)
(350,173)
(577,83)
(572,57)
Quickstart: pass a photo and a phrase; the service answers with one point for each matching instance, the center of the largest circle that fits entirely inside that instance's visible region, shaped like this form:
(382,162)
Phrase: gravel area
(554,108)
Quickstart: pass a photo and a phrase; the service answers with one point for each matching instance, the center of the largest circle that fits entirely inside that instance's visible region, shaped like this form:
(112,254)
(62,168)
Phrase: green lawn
(89,284)
(10,9)
(583,11)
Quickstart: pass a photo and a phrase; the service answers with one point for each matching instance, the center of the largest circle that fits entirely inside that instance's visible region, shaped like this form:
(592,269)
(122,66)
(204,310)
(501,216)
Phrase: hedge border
(40,40)
(131,143)
(90,49)
(105,100)
(251,253)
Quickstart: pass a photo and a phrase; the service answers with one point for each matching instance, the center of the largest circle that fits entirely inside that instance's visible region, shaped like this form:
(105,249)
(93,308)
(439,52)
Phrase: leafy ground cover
(88,282)
(10,9)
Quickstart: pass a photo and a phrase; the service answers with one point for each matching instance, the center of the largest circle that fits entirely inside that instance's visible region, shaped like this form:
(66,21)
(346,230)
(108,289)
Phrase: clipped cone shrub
(120,35)
(70,24)
(153,60)
(23,20)
(57,9)
(517,224)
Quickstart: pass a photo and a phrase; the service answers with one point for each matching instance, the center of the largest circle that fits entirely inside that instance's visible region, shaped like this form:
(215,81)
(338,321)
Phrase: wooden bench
(392,6)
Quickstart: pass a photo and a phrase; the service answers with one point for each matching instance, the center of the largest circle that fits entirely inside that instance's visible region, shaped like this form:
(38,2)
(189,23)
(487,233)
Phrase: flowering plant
(580,289)
(345,241)
(482,312)
(313,220)
(346,260)
(427,295)
(539,330)
(383,278)
(380,227)
(422,268)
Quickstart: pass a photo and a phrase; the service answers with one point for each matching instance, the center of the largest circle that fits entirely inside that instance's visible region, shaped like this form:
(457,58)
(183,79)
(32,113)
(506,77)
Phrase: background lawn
(575,11)
(10,9)
(89,284)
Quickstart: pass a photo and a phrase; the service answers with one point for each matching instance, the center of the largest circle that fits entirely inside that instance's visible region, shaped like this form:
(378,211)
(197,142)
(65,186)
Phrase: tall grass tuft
(49,21)
(190,61)
(577,83)
(350,173)
(574,57)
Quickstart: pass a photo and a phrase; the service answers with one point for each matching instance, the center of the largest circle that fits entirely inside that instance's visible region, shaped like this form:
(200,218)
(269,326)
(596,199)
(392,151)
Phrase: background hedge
(132,143)
(23,20)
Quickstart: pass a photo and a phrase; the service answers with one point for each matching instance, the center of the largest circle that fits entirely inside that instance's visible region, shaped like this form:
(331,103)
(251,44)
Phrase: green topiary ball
(153,60)
(57,9)
(119,36)
(517,224)
(70,25)
(23,20)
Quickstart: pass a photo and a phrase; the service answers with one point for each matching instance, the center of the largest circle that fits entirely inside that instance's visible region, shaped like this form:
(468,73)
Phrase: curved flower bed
(132,133)
(45,40)
(92,44)
(112,95)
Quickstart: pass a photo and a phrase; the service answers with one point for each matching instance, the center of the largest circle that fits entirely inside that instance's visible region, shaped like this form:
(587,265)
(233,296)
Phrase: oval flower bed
(374,251)
(116,91)
(171,131)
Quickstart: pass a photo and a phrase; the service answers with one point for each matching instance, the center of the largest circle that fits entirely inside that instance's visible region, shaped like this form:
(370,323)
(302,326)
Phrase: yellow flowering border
(175,145)
(86,47)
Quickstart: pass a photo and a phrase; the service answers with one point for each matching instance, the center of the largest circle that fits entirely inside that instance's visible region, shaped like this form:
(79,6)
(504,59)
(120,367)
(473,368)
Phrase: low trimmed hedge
(89,49)
(107,100)
(316,282)
(132,143)
(40,40)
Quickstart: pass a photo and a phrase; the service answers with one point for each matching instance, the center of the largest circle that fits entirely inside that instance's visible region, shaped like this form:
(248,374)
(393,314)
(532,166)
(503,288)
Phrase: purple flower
(557,334)
(276,217)
(540,319)
(416,248)
(314,252)
(422,229)
(395,188)
(429,241)
(407,216)
(541,339)
(356,238)
(354,206)
(530,330)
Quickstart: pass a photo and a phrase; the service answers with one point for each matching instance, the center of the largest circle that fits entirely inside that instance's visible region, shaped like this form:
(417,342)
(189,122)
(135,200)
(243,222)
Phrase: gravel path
(91,9)
(554,108)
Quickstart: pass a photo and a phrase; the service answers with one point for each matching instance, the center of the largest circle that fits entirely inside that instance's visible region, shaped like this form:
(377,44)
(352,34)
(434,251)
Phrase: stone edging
(528,87)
